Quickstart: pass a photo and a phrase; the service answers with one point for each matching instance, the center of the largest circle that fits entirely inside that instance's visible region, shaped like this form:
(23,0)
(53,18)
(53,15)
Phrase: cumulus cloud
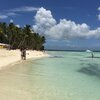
(65,29)
(43,21)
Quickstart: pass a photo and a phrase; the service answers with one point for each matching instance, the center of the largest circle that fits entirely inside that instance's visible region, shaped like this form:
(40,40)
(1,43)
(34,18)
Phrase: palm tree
(21,37)
(3,35)
(10,32)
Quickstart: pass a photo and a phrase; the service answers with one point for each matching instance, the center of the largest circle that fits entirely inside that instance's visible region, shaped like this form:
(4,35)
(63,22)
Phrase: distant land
(73,50)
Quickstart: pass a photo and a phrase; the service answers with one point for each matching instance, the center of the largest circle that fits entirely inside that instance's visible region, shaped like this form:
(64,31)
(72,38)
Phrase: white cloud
(68,29)
(98,8)
(24,9)
(65,29)
(18,26)
(43,21)
(3,16)
(6,15)
(99,17)
(11,14)
(99,14)
(11,21)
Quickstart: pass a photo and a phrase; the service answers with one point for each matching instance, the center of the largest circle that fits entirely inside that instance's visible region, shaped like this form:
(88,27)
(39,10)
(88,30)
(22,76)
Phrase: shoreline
(10,57)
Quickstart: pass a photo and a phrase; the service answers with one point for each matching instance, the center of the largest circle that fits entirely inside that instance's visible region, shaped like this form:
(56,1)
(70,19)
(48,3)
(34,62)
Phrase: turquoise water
(63,76)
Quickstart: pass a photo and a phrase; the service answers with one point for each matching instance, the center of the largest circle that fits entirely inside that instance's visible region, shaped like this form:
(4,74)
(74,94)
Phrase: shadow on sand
(92,70)
(56,57)
(93,57)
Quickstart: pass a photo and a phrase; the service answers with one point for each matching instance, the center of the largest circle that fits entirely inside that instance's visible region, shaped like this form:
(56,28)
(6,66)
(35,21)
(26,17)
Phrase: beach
(70,76)
(8,57)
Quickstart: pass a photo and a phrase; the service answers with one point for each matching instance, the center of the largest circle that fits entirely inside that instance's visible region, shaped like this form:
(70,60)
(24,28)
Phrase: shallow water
(63,76)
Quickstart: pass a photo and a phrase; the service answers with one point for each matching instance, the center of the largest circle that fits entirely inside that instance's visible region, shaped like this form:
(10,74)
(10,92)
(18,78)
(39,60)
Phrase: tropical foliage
(18,37)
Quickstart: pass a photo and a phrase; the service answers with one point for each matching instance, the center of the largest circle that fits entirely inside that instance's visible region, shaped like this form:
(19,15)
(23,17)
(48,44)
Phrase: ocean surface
(62,76)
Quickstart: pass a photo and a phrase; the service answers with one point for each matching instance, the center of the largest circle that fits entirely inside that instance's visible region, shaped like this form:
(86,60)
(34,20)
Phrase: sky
(66,24)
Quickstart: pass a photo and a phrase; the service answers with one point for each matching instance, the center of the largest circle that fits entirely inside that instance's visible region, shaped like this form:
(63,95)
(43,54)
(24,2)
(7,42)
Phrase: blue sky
(67,15)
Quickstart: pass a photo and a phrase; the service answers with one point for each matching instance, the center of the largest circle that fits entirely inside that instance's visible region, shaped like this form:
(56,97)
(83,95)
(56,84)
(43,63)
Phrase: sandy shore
(11,56)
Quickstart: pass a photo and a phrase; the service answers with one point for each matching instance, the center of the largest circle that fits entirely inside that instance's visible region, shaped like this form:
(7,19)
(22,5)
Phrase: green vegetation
(20,37)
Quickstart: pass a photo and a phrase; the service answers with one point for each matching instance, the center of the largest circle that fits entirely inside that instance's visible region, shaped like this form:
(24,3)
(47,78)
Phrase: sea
(64,75)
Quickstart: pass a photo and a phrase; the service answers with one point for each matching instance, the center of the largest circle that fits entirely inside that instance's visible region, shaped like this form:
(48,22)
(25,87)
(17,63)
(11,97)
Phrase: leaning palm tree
(3,35)
(20,37)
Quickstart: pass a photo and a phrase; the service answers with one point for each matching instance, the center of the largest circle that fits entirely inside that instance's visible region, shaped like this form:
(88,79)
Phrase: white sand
(11,56)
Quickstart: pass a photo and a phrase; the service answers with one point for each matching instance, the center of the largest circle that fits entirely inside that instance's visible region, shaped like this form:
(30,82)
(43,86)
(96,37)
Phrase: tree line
(18,37)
